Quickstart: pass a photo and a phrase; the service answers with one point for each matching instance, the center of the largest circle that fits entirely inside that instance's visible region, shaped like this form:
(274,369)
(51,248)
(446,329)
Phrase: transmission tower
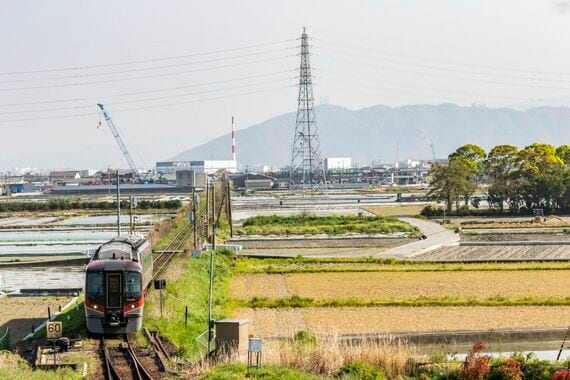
(306,166)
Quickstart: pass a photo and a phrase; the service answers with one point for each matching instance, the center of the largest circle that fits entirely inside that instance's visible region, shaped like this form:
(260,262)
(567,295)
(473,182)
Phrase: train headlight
(94,306)
(133,306)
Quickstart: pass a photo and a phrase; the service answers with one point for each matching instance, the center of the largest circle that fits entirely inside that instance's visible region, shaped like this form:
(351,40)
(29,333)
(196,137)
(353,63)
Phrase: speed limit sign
(54,330)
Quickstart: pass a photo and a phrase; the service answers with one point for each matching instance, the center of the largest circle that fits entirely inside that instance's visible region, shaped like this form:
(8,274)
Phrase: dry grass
(326,356)
(374,285)
(366,320)
(407,210)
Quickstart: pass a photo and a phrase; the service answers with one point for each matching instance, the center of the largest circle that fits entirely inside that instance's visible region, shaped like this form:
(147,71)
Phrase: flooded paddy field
(59,237)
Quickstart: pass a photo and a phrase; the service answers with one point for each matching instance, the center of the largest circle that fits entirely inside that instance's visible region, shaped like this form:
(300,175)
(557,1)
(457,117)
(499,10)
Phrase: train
(115,280)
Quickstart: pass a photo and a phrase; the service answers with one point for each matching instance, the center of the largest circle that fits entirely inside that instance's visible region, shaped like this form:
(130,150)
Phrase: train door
(114,291)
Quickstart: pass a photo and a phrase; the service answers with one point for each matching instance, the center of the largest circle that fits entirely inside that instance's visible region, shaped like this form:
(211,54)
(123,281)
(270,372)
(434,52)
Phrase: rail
(173,247)
(134,369)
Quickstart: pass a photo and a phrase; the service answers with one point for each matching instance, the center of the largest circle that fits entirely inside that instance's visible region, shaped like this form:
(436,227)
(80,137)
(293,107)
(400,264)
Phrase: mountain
(379,132)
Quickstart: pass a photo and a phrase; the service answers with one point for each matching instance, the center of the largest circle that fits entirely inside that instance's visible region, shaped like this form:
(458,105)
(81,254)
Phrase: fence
(5,339)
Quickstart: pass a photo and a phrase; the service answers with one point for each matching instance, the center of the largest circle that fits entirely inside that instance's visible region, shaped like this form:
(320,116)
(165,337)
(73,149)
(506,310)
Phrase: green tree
(501,168)
(452,182)
(563,152)
(473,155)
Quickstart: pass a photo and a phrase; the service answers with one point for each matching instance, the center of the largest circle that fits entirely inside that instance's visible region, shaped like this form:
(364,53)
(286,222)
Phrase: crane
(429,142)
(120,142)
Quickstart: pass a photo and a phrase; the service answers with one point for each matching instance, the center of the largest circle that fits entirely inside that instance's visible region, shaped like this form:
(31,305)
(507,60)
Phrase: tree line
(514,180)
(72,204)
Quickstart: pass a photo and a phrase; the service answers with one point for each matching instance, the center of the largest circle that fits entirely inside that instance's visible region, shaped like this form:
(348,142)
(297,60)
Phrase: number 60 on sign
(54,330)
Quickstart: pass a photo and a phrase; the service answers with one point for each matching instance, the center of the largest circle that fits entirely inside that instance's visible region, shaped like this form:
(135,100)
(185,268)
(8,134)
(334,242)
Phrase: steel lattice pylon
(306,165)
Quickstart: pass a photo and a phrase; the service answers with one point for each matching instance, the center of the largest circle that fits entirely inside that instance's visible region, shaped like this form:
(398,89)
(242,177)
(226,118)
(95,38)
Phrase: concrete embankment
(464,337)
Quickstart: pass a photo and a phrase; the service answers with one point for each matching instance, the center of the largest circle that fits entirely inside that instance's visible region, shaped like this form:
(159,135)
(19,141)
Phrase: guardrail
(5,340)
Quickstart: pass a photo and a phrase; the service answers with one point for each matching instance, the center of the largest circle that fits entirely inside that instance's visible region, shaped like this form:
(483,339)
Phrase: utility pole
(118,207)
(210,320)
(306,164)
(229,210)
(194,216)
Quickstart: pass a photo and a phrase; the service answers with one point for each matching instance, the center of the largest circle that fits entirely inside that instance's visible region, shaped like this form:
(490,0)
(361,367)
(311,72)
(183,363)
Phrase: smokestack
(233,139)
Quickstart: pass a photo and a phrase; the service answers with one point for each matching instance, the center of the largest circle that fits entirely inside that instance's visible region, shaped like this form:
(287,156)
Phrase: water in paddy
(15,279)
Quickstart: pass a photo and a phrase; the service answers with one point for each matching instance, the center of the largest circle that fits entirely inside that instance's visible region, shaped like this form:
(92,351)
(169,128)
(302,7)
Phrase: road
(436,234)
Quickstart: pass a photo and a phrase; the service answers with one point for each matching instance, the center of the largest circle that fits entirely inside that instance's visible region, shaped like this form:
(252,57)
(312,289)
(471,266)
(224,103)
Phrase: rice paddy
(370,286)
(358,320)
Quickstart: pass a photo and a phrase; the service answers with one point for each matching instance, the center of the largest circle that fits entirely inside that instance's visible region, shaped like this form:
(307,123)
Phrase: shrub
(359,370)
(476,366)
(563,374)
(430,211)
(510,369)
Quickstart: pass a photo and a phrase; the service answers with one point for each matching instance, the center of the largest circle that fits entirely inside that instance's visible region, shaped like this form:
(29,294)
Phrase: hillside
(373,133)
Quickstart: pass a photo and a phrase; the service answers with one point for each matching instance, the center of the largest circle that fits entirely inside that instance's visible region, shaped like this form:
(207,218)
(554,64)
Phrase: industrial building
(253,181)
(204,166)
(338,163)
(190,178)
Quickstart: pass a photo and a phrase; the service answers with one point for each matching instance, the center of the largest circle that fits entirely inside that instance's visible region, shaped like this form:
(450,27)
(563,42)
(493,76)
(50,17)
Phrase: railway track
(121,361)
(173,247)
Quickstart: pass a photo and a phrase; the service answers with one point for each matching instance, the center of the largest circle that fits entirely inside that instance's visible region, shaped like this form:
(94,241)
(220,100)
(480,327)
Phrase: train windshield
(133,288)
(94,286)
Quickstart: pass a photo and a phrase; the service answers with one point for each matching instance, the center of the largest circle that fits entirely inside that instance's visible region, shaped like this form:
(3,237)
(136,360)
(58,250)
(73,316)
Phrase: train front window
(94,287)
(133,288)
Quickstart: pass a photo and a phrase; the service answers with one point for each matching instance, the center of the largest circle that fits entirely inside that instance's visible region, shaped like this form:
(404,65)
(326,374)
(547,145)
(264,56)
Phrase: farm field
(333,225)
(397,285)
(357,320)
(493,253)
(20,313)
(407,210)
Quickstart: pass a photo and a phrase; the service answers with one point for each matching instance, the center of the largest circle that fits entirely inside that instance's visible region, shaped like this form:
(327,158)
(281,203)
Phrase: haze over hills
(374,133)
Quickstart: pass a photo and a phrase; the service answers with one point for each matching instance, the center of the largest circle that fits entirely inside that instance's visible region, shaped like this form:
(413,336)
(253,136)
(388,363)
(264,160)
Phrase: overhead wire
(147,107)
(148,98)
(164,89)
(148,76)
(139,69)
(442,61)
(437,75)
(123,63)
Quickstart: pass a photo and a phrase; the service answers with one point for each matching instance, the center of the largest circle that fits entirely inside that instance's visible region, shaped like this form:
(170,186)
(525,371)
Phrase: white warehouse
(205,166)
(338,163)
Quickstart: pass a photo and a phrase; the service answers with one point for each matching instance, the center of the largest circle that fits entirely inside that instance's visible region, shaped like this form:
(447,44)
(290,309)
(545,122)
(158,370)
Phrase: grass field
(336,265)
(336,224)
(357,320)
(401,285)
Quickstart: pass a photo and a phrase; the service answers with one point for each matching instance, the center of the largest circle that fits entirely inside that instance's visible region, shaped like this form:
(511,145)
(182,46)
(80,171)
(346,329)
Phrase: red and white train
(116,278)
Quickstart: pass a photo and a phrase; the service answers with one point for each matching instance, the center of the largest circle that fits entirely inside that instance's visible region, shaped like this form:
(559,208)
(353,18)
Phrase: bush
(563,374)
(476,366)
(361,371)
(430,211)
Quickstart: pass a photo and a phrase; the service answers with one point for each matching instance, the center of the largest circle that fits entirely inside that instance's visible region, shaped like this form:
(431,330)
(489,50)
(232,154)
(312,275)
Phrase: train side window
(94,284)
(133,285)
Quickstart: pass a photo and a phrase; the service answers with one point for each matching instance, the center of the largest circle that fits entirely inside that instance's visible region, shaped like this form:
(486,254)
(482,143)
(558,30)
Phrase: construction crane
(120,142)
(429,142)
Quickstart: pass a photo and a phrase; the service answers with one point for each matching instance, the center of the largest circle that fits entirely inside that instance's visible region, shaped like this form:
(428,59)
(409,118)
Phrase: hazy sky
(365,52)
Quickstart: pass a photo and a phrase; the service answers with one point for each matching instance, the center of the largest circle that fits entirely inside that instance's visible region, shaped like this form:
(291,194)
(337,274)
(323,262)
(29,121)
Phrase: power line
(147,99)
(442,61)
(80,76)
(447,69)
(147,76)
(146,107)
(422,87)
(150,91)
(86,67)
(436,75)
